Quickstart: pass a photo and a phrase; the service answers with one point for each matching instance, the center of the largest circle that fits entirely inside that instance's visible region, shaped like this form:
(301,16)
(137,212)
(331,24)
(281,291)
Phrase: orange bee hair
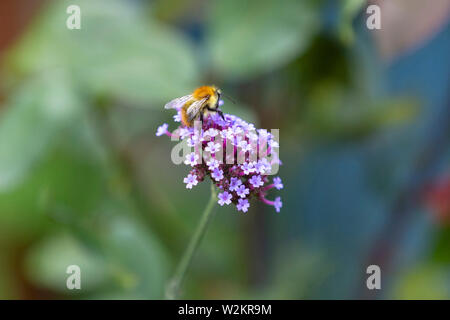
(204,91)
(198,94)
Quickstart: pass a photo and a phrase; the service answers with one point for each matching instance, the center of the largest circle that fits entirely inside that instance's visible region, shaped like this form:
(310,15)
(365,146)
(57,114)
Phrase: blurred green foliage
(83,180)
(246,38)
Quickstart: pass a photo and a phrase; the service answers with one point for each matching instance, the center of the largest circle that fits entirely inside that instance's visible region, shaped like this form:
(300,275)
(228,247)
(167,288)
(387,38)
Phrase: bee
(201,102)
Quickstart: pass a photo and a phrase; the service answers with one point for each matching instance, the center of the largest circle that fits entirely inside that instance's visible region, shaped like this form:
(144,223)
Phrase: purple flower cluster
(238,158)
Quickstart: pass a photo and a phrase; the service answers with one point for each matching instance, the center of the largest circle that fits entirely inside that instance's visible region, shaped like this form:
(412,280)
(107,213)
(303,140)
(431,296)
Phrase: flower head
(245,146)
(243,205)
(162,129)
(241,171)
(235,183)
(212,164)
(260,167)
(256,181)
(191,159)
(217,174)
(277,183)
(190,180)
(248,168)
(242,191)
(278,204)
(211,132)
(224,198)
(212,147)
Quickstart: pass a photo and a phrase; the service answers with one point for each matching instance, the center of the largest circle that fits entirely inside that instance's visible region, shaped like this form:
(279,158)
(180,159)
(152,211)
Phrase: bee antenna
(229,98)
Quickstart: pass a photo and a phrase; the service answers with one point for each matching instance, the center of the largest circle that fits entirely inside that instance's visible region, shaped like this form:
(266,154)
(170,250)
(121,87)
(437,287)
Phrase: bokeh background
(364,118)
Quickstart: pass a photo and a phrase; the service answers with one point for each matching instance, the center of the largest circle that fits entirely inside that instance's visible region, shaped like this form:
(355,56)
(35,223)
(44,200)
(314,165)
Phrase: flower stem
(175,283)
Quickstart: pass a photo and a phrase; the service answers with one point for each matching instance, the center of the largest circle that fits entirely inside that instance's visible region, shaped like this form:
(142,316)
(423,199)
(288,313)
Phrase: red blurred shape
(437,198)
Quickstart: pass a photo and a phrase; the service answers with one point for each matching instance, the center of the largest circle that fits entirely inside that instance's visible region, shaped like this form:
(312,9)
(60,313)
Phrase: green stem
(182,268)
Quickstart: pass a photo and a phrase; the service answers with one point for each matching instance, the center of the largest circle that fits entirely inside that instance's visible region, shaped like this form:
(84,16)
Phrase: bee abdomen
(184,115)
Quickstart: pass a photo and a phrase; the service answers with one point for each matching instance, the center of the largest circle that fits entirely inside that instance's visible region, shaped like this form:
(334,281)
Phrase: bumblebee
(201,102)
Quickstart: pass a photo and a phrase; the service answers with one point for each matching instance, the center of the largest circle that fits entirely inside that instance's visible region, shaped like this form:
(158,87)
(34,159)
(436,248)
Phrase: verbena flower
(237,158)
(243,205)
(247,168)
(277,204)
(191,159)
(256,181)
(234,183)
(213,164)
(277,183)
(162,129)
(190,180)
(212,147)
(217,174)
(224,198)
(242,191)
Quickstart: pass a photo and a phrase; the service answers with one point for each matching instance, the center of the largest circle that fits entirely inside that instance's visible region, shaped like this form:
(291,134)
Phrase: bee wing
(193,110)
(178,102)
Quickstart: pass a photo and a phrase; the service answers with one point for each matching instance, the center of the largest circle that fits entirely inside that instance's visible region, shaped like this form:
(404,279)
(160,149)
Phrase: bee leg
(221,114)
(201,117)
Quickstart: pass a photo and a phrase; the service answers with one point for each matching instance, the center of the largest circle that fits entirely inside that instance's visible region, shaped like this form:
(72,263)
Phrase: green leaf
(296,273)
(137,259)
(8,285)
(338,113)
(48,260)
(349,10)
(424,282)
(441,251)
(33,116)
(249,37)
(118,52)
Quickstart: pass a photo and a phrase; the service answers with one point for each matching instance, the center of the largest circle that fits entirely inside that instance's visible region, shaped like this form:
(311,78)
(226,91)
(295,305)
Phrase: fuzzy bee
(202,101)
